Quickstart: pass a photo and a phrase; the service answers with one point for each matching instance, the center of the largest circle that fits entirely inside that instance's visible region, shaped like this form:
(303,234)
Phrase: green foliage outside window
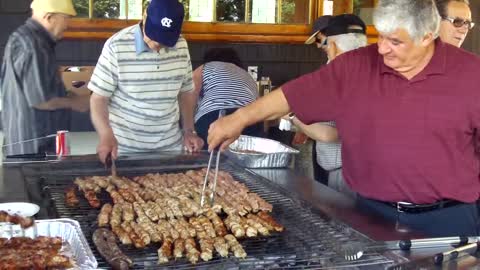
(288,11)
(103,9)
(226,10)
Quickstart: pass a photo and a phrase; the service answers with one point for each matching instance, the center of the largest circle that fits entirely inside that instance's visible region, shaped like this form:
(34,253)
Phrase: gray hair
(417,17)
(350,41)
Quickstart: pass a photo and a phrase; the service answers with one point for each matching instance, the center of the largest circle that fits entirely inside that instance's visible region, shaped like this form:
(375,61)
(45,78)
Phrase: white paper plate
(20,208)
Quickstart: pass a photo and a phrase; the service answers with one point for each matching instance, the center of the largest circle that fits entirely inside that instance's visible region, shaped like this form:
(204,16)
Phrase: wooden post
(319,7)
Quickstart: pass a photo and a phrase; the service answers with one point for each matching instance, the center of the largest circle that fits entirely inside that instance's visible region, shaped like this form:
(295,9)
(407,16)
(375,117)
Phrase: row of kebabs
(250,226)
(41,252)
(164,208)
(177,194)
(178,235)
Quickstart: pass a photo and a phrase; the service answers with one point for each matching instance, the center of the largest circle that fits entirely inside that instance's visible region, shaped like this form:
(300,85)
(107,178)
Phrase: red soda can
(62,143)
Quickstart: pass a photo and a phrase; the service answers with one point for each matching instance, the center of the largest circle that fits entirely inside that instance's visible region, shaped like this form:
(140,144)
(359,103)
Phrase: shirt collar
(140,45)
(437,64)
(42,32)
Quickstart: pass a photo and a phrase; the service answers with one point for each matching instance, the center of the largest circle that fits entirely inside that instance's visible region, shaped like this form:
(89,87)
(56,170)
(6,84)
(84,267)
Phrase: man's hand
(80,103)
(224,131)
(108,144)
(192,142)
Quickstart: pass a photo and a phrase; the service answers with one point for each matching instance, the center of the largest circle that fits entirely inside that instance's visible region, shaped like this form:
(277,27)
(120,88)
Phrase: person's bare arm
(74,102)
(227,129)
(55,103)
(99,114)
(188,102)
(317,131)
(198,79)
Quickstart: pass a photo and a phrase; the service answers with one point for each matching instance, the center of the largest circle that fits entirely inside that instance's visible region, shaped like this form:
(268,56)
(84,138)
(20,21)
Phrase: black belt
(420,208)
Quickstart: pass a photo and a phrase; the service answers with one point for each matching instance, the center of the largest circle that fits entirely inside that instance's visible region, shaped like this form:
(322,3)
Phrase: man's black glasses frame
(459,22)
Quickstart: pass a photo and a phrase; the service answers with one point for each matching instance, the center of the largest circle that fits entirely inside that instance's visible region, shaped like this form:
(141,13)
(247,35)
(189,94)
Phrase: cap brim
(166,38)
(312,38)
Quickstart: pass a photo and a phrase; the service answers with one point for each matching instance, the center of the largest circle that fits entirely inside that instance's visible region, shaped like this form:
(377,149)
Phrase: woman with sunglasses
(456,20)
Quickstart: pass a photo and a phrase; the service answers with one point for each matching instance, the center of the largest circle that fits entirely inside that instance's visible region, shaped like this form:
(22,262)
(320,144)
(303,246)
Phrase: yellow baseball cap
(54,6)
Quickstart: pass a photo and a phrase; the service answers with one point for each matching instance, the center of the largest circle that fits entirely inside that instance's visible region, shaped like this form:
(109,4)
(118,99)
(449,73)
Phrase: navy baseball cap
(318,26)
(164,21)
(344,24)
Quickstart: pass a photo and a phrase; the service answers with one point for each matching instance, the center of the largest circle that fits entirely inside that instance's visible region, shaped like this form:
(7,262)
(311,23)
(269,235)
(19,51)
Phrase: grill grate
(308,242)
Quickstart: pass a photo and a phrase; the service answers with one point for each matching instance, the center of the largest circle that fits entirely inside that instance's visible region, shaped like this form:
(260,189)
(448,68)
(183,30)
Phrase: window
(199,10)
(248,11)
(266,21)
(327,7)
(109,9)
(364,9)
(236,11)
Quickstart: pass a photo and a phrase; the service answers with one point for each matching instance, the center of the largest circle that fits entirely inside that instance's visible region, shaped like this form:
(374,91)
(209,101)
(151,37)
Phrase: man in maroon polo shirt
(407,110)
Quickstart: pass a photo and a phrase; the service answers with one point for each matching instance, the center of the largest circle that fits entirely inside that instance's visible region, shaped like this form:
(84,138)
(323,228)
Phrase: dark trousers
(458,220)
(202,125)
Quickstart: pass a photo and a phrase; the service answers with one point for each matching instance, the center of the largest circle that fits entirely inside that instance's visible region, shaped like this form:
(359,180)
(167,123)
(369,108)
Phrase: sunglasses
(457,22)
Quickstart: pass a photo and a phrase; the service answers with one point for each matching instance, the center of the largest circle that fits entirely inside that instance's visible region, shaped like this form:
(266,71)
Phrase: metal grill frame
(310,240)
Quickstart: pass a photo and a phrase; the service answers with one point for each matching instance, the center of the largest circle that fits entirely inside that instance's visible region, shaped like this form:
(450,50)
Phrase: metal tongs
(221,113)
(110,163)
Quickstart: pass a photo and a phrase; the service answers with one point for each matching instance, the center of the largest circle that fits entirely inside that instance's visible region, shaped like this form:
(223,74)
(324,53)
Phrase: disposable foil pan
(267,153)
(67,229)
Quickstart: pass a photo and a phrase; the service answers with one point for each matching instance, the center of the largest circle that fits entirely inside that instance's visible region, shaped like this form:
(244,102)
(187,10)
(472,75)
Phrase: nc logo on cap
(166,22)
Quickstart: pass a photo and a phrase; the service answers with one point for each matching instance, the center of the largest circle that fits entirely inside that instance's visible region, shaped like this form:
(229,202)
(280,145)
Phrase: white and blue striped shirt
(143,88)
(224,86)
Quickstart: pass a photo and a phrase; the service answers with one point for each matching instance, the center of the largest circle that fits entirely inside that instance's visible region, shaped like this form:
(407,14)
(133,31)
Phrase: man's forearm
(269,107)
(99,115)
(187,103)
(317,131)
(55,103)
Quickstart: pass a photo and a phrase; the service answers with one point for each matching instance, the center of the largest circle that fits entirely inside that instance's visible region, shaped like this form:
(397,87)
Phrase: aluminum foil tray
(267,153)
(68,229)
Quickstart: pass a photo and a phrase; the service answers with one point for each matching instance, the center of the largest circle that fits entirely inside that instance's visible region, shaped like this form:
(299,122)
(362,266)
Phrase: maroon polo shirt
(402,140)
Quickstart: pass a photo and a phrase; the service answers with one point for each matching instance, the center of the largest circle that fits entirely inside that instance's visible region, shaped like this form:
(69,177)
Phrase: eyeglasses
(458,22)
(322,43)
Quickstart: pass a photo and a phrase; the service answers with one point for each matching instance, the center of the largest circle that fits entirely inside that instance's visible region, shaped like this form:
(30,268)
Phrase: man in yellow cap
(34,100)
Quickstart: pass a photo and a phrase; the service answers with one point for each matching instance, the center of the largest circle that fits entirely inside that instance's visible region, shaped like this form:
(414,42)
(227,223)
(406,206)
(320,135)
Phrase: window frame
(101,29)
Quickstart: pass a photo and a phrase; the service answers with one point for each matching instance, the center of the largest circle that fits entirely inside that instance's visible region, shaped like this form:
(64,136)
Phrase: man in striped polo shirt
(142,86)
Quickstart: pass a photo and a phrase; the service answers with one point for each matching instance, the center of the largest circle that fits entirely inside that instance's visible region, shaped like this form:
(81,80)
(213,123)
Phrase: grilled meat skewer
(165,251)
(71,199)
(106,244)
(178,248)
(104,216)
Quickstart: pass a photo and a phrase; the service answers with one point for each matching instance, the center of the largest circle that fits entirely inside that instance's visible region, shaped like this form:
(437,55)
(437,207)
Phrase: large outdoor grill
(310,240)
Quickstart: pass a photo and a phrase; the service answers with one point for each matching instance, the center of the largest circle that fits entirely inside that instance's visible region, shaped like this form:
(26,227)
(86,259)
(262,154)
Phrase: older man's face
(400,52)
(152,44)
(58,24)
(449,33)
